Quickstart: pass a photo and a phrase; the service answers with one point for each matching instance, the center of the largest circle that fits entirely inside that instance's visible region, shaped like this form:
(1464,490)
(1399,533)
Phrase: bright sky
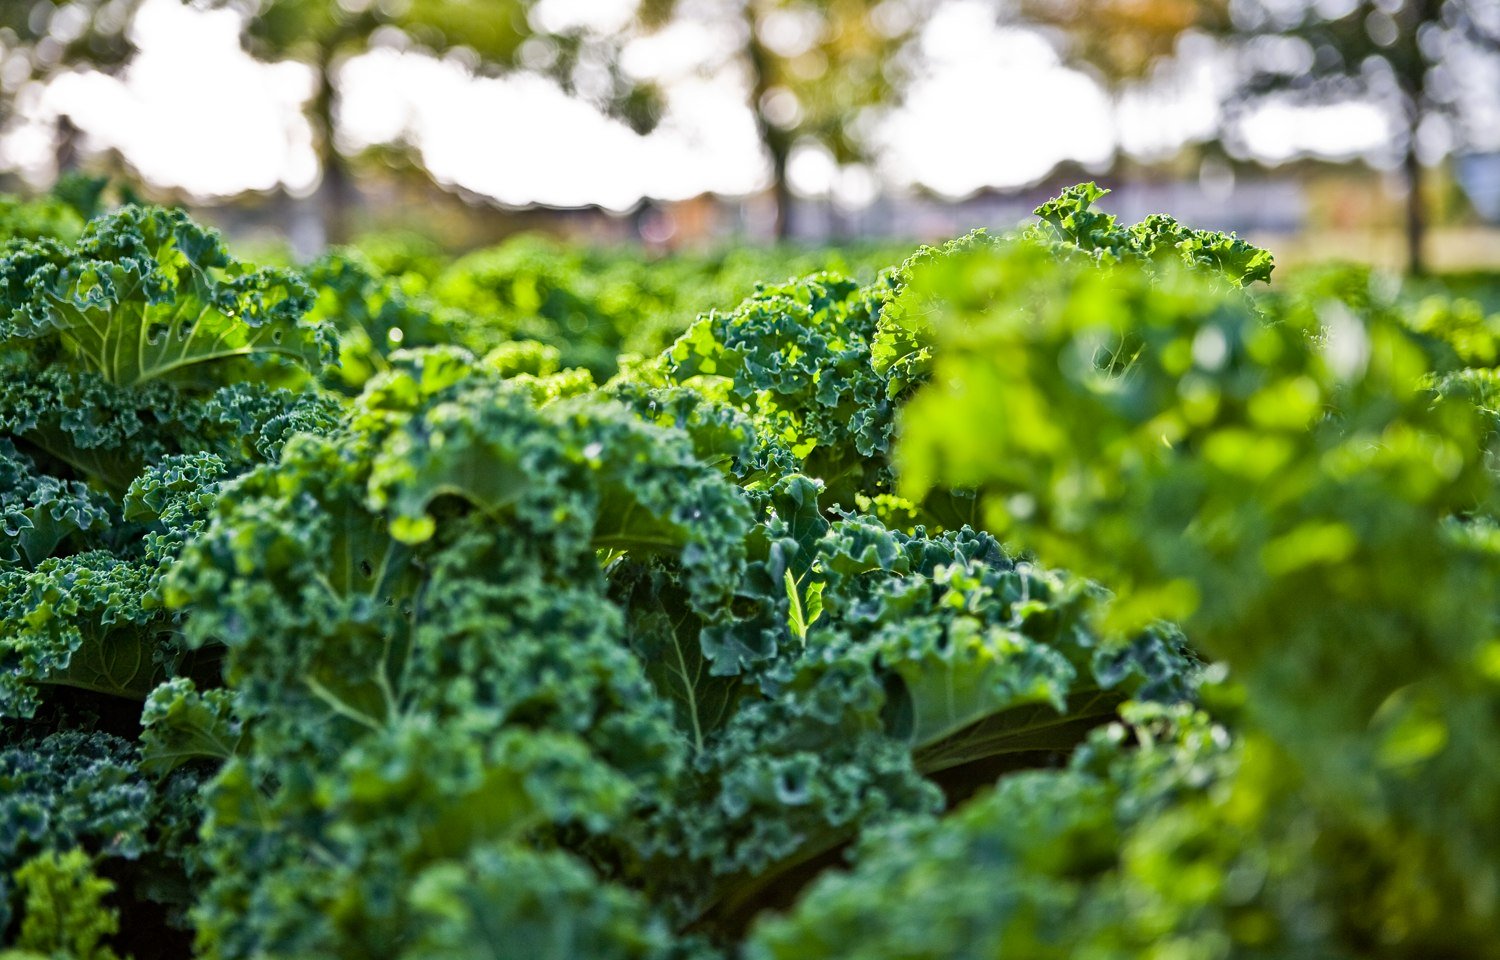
(997,109)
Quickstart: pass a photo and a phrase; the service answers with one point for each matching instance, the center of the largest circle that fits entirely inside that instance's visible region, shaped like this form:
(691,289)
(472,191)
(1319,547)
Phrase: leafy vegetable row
(328,634)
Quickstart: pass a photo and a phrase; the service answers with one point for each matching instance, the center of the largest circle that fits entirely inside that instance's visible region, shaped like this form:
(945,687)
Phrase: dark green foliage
(146,294)
(420,592)
(797,357)
(41,512)
(71,790)
(1045,865)
(129,392)
(509,902)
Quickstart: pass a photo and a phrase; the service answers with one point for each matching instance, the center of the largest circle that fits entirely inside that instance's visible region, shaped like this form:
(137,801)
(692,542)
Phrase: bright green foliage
(34,219)
(414,260)
(64,917)
(531,289)
(595,305)
(1292,487)
(374,317)
(517,358)
(721,432)
(1070,221)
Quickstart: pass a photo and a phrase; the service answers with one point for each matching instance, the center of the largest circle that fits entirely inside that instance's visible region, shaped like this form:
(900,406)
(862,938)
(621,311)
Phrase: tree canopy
(1407,56)
(41,39)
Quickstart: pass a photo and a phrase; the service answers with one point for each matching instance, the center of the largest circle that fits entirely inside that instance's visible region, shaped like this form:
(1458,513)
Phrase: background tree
(42,39)
(1121,42)
(1123,39)
(813,70)
(491,33)
(1409,56)
(817,72)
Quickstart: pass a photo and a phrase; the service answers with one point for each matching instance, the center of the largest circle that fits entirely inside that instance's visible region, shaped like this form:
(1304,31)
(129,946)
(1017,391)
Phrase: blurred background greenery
(1361,129)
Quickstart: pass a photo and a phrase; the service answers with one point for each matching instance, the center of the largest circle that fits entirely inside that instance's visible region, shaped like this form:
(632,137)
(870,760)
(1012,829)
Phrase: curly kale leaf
(109,434)
(302,576)
(852,579)
(40,513)
(176,493)
(80,621)
(146,293)
(63,913)
(504,902)
(783,782)
(373,316)
(926,656)
(1070,221)
(1036,867)
(324,855)
(93,620)
(578,473)
(721,432)
(782,550)
(667,638)
(182,725)
(797,360)
(70,789)
(424,652)
(1069,228)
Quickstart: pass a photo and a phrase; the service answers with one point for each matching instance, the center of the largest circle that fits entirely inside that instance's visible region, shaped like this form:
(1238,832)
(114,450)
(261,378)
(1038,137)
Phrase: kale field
(1082,592)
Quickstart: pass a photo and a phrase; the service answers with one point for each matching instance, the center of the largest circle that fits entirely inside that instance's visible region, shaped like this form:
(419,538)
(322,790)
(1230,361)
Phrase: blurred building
(457,220)
(1263,206)
(1479,175)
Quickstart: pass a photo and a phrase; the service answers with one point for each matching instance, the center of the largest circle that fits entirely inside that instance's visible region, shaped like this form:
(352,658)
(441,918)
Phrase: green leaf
(146,294)
(64,913)
(183,725)
(803,610)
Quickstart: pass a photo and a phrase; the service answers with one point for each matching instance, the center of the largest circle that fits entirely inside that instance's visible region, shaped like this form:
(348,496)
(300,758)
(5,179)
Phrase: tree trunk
(777,142)
(1416,209)
(65,150)
(336,190)
(781,190)
(1411,64)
